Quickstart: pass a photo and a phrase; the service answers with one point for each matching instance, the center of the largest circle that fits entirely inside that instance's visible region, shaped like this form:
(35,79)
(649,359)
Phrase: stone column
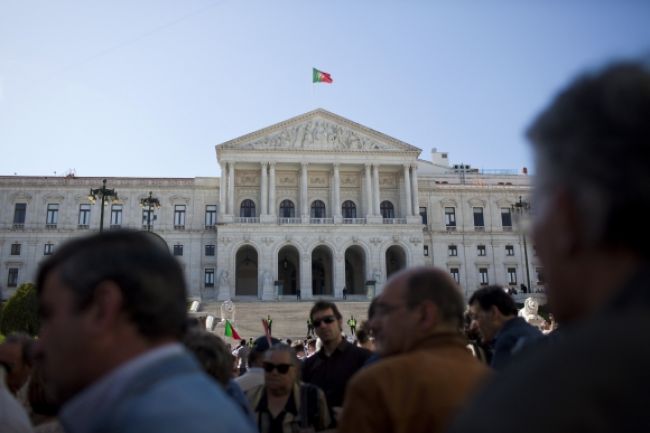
(369,196)
(336,200)
(407,191)
(272,205)
(304,205)
(264,205)
(306,288)
(414,189)
(375,187)
(231,188)
(222,192)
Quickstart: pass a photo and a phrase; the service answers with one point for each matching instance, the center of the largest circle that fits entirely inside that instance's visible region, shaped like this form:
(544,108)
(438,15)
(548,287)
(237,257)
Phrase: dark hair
(494,295)
(324,305)
(593,141)
(212,353)
(437,286)
(150,279)
(362,334)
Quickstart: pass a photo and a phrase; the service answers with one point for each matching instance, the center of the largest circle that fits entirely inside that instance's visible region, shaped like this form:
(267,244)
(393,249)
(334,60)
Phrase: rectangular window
(423,215)
(455,274)
(210,216)
(47,249)
(12,277)
(209,250)
(506,219)
(483,276)
(510,250)
(84,215)
(179,217)
(209,277)
(148,218)
(452,250)
(52,215)
(479,223)
(426,250)
(450,218)
(178,250)
(540,275)
(15,249)
(512,276)
(20,211)
(480,249)
(116,216)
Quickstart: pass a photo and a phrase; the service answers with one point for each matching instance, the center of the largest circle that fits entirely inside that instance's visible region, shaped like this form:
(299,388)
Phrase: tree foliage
(20,313)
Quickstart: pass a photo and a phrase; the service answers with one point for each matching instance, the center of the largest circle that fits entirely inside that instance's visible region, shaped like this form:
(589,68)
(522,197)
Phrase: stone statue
(228,311)
(529,313)
(267,283)
(224,282)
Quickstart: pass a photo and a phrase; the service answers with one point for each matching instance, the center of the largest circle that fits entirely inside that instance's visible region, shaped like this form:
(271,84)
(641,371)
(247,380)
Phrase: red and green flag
(321,77)
(230,331)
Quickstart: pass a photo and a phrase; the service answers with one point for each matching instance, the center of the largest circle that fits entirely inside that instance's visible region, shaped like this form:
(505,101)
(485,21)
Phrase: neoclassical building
(311,206)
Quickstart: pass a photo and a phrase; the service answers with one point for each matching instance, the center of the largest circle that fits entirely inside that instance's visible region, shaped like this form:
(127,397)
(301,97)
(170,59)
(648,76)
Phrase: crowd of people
(116,352)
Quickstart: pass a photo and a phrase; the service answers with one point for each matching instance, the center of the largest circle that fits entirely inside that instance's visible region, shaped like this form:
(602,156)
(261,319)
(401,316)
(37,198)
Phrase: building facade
(316,206)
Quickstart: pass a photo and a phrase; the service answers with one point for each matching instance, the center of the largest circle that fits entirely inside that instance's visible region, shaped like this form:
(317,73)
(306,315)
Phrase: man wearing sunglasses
(333,365)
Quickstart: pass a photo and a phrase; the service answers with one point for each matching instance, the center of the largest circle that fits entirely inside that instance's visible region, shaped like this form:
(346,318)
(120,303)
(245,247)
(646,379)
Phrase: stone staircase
(289,318)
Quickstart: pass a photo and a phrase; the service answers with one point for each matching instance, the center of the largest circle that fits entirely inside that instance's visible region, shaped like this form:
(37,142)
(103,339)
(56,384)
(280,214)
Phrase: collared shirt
(331,373)
(512,337)
(79,413)
(275,424)
(252,378)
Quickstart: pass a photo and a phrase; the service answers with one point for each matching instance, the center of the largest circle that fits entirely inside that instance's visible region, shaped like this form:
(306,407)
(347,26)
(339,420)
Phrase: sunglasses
(282,368)
(326,319)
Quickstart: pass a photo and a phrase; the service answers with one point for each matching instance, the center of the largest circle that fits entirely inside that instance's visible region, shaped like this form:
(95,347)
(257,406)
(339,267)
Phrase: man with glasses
(333,365)
(426,372)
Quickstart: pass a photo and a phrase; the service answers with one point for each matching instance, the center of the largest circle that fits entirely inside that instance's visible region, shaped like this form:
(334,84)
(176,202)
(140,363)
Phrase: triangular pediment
(318,130)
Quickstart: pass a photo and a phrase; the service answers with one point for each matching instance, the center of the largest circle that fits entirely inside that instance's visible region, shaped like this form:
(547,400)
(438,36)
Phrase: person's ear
(106,306)
(429,315)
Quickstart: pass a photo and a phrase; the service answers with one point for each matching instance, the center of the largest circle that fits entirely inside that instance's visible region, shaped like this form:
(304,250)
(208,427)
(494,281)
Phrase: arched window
(387,210)
(318,209)
(247,209)
(349,209)
(287,209)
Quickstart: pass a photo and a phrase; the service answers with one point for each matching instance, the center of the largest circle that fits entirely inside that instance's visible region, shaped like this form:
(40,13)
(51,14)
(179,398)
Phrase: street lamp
(521,209)
(149,203)
(104,193)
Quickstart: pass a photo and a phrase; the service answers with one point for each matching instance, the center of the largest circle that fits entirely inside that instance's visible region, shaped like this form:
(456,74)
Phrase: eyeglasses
(326,319)
(282,368)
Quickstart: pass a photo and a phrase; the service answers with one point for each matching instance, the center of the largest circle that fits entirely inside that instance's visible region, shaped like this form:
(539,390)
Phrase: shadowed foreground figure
(592,151)
(113,308)
(426,371)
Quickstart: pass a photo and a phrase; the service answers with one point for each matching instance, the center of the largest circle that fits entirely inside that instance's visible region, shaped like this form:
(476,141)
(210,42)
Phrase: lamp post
(149,203)
(104,193)
(522,208)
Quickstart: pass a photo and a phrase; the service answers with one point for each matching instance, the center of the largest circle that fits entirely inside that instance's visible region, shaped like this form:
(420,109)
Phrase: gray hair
(594,142)
(281,347)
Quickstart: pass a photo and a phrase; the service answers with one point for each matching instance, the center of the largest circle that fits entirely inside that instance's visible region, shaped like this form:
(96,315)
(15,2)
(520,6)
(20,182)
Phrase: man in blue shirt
(113,308)
(496,315)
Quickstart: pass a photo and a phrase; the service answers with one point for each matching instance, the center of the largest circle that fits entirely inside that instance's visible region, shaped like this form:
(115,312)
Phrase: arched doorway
(395,260)
(321,271)
(246,272)
(355,270)
(289,270)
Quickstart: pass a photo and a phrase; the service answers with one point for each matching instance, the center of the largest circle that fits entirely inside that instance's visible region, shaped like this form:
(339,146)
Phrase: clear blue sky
(148,87)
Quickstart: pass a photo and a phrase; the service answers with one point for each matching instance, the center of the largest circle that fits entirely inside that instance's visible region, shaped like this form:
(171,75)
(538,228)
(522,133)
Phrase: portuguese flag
(321,77)
(230,331)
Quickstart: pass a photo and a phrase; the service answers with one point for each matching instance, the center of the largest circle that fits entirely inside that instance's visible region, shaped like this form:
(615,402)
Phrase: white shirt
(252,378)
(13,417)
